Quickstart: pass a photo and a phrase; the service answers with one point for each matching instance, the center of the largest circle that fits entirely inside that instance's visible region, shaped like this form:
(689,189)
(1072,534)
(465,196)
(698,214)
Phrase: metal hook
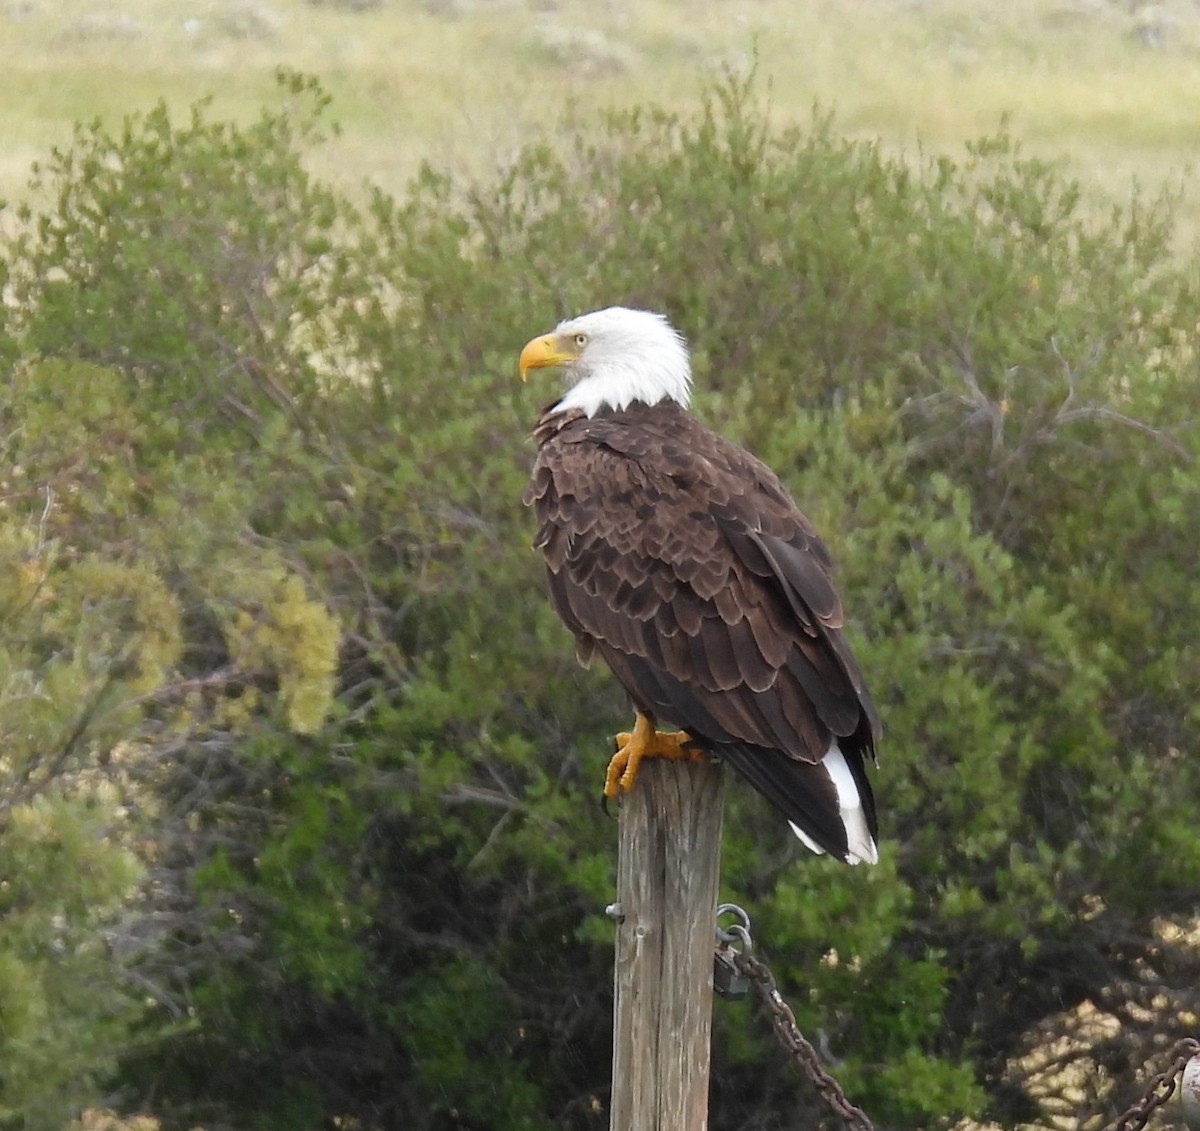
(729,981)
(738,932)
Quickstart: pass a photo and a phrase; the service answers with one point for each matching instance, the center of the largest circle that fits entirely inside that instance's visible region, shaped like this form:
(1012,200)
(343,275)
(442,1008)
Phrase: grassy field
(1112,87)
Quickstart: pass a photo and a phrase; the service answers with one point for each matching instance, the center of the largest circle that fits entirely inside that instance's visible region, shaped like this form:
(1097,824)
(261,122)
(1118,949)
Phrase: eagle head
(613,358)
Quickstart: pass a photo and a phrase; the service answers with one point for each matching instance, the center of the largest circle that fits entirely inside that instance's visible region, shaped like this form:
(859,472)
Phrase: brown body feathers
(681,560)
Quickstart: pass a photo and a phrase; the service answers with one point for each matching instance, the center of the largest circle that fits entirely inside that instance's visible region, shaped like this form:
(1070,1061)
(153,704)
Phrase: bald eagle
(682,561)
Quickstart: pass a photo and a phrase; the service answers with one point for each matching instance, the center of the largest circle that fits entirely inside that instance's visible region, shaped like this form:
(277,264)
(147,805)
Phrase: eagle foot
(645,742)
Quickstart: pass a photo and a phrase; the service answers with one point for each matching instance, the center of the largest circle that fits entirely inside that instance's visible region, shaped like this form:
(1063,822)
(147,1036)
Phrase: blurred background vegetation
(1108,86)
(298,775)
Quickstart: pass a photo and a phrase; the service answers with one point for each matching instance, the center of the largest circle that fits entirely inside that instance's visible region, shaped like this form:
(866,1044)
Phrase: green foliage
(66,1010)
(213,241)
(265,554)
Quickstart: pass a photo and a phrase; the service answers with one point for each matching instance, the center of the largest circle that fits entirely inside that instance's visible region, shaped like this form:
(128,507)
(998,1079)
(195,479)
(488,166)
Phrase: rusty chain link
(1161,1088)
(783,1021)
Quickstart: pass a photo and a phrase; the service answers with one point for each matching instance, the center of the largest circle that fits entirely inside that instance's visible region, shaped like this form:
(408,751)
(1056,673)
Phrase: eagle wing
(683,561)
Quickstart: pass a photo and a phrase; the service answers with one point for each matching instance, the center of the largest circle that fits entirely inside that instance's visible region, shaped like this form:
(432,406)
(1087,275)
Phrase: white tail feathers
(860,845)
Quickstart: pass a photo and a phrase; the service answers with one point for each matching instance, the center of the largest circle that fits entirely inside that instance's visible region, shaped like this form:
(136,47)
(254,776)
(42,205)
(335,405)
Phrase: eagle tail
(828,804)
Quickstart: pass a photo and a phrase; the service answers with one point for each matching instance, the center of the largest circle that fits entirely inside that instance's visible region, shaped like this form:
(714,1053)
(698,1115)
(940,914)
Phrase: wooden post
(667,873)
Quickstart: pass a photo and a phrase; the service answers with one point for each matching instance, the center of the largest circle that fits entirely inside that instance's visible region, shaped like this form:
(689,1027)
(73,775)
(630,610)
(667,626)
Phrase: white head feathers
(622,356)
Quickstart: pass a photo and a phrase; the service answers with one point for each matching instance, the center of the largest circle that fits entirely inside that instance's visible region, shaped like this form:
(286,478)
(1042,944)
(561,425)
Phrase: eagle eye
(581,340)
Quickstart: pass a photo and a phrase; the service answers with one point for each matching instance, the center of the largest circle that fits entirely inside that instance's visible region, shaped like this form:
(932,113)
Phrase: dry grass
(1111,86)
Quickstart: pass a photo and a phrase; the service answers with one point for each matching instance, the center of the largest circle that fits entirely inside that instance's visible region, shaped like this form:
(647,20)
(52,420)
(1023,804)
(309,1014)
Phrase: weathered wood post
(667,874)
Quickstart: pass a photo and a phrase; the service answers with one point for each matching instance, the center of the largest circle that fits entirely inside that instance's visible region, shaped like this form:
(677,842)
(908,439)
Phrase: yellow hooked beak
(542,352)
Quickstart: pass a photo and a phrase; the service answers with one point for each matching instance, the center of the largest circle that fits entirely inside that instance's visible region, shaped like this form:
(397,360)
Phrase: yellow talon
(644,742)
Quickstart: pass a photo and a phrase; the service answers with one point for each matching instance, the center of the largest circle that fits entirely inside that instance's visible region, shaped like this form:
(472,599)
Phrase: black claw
(604,807)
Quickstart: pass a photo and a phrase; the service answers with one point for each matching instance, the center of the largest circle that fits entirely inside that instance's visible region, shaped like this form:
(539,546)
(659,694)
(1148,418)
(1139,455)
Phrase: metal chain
(783,1021)
(1161,1088)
